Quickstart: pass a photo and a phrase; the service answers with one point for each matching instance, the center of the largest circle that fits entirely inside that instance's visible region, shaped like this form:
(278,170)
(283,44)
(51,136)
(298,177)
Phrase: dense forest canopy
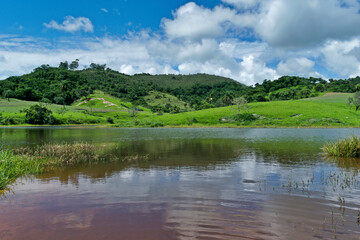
(65,84)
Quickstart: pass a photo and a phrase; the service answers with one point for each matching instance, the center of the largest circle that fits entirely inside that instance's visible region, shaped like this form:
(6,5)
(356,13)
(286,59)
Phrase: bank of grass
(348,148)
(13,166)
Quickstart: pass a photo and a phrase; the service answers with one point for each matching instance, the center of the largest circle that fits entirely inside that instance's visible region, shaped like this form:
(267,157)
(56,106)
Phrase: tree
(356,101)
(37,114)
(227,98)
(91,104)
(134,111)
(350,100)
(8,94)
(95,66)
(240,103)
(46,101)
(64,65)
(62,110)
(357,87)
(74,64)
(59,100)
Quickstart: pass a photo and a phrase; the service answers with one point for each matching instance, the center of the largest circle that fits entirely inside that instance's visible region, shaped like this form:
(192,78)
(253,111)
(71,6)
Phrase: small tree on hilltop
(74,64)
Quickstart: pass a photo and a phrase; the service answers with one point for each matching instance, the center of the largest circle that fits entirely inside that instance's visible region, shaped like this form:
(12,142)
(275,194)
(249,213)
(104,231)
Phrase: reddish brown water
(197,184)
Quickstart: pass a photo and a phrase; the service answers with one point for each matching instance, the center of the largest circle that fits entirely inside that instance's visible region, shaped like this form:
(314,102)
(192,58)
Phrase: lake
(193,184)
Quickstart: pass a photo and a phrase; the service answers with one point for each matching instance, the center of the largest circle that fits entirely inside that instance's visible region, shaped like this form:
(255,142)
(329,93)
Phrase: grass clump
(349,147)
(61,154)
(13,166)
(40,159)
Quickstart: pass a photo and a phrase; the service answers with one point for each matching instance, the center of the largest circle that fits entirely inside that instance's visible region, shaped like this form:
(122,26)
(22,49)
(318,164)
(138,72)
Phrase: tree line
(65,84)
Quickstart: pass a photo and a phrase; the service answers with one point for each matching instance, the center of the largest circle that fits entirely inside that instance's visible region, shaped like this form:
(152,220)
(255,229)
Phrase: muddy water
(195,184)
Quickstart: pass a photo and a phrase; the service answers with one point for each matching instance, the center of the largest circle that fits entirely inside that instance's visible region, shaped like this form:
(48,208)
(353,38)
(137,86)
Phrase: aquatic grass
(62,154)
(13,166)
(348,147)
(34,160)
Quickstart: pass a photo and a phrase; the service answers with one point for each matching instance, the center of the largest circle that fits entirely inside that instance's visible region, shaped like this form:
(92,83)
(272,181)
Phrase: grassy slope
(158,98)
(99,100)
(329,110)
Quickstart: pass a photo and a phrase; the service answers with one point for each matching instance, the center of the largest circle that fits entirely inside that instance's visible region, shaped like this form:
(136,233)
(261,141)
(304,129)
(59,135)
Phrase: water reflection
(267,185)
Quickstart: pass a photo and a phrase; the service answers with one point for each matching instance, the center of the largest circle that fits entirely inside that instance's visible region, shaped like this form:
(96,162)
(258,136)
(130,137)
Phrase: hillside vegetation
(99,95)
(329,110)
(60,85)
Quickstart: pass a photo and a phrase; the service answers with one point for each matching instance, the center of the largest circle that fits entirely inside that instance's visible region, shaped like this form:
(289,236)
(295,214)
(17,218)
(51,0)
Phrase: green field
(329,110)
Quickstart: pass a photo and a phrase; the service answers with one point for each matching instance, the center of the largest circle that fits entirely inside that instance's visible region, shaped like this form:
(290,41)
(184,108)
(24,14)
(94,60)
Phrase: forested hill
(292,87)
(64,86)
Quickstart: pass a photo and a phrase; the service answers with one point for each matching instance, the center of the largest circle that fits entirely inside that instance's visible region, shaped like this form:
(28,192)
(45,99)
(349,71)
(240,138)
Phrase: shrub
(8,120)
(245,117)
(110,120)
(157,124)
(37,114)
(349,147)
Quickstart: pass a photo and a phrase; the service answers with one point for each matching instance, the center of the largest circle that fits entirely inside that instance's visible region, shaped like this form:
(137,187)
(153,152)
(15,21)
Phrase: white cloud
(254,69)
(296,66)
(195,22)
(342,57)
(72,24)
(299,23)
(104,10)
(242,4)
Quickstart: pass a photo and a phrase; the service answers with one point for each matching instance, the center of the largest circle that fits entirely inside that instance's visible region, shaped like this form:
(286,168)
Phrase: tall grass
(12,167)
(61,154)
(34,160)
(349,147)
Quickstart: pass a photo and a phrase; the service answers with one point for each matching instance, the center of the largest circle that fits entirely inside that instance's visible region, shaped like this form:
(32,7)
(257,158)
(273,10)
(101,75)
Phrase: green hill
(63,86)
(329,110)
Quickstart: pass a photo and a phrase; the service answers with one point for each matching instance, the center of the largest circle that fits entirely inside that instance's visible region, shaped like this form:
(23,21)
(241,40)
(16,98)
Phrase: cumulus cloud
(195,22)
(72,24)
(299,66)
(296,37)
(242,4)
(303,23)
(342,57)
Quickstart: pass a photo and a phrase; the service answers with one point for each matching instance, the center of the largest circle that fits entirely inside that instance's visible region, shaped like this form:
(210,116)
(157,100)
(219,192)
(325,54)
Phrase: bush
(8,120)
(37,114)
(245,117)
(157,124)
(110,120)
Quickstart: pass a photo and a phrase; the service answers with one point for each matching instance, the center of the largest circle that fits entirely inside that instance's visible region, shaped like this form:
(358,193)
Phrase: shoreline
(167,127)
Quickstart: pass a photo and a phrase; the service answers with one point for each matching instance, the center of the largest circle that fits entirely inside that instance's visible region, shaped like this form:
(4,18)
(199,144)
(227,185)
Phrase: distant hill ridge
(198,91)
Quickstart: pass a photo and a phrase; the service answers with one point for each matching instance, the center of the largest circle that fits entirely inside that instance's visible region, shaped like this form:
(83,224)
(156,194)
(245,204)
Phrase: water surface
(195,184)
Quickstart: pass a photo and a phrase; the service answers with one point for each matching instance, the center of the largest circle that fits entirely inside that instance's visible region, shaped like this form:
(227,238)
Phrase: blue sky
(247,40)
(114,16)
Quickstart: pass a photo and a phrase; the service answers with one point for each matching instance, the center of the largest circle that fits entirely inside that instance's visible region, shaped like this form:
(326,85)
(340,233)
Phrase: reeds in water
(12,167)
(62,154)
(33,160)
(349,147)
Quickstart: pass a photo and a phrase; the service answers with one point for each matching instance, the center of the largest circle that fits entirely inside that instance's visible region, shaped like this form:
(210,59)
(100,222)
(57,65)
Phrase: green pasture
(329,110)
